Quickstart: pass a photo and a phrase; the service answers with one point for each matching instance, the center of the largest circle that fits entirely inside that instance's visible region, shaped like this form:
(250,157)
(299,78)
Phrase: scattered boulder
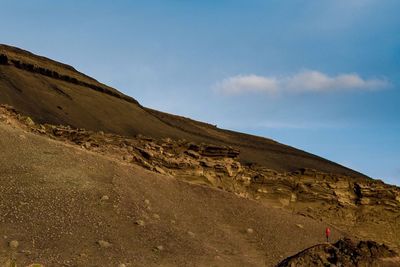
(250,230)
(87,145)
(140,222)
(14,244)
(29,121)
(160,248)
(104,198)
(104,244)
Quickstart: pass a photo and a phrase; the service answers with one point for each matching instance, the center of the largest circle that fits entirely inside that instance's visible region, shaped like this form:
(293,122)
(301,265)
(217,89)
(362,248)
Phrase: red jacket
(327,232)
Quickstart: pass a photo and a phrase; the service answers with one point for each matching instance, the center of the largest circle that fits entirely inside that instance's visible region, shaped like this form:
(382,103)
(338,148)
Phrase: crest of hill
(52,92)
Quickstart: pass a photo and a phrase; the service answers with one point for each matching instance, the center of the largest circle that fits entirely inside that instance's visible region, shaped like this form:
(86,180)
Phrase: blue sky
(323,76)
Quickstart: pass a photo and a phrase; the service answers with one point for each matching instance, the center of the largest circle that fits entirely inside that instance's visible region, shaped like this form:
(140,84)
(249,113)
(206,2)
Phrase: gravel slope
(70,207)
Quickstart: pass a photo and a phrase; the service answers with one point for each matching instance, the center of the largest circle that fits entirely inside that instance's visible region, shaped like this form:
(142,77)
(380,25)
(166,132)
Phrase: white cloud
(304,81)
(247,83)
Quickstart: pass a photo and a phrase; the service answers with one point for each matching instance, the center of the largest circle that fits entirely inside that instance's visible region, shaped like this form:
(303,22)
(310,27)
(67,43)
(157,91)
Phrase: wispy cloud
(304,81)
(248,83)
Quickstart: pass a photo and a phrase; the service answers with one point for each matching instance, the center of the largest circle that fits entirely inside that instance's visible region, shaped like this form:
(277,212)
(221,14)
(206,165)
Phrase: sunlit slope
(65,205)
(56,93)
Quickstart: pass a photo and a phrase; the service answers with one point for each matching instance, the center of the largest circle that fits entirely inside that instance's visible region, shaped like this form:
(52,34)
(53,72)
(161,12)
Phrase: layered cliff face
(366,208)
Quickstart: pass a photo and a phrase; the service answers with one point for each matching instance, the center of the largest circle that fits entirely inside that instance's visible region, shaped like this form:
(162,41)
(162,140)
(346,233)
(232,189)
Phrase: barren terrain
(89,177)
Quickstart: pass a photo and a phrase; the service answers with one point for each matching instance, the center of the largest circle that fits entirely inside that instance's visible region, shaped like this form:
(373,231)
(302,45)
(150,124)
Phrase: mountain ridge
(259,150)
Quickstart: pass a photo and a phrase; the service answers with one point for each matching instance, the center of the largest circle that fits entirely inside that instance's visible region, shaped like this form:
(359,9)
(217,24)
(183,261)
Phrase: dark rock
(344,252)
(3,59)
(218,151)
(145,153)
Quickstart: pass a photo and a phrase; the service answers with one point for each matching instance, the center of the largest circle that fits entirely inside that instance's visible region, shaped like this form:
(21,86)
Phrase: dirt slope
(56,93)
(127,184)
(67,206)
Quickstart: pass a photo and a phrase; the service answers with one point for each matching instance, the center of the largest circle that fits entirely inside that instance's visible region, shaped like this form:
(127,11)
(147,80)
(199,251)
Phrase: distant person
(327,234)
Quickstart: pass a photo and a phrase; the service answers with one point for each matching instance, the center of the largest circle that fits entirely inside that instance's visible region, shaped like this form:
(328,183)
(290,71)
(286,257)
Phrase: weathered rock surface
(344,252)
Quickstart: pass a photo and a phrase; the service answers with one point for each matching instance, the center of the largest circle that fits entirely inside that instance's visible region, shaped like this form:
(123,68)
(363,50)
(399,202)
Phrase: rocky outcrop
(344,252)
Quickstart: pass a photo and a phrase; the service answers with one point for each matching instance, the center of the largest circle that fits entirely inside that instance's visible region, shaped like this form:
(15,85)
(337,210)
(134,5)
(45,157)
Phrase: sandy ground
(70,207)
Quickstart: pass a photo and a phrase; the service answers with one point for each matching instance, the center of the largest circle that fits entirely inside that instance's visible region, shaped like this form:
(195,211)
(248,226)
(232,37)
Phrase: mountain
(52,92)
(90,177)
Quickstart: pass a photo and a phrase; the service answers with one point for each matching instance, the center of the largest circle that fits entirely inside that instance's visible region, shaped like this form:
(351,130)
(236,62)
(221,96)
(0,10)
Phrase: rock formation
(344,252)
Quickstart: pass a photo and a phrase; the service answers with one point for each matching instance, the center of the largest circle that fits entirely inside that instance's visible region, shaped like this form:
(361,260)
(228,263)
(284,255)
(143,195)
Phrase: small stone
(250,230)
(26,252)
(160,248)
(145,153)
(105,198)
(122,265)
(156,216)
(300,225)
(104,244)
(13,244)
(191,234)
(140,222)
(29,121)
(159,170)
(147,202)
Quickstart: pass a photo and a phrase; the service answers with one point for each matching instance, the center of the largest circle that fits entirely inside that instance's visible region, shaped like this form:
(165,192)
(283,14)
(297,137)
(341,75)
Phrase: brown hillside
(367,209)
(66,205)
(52,92)
(89,177)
